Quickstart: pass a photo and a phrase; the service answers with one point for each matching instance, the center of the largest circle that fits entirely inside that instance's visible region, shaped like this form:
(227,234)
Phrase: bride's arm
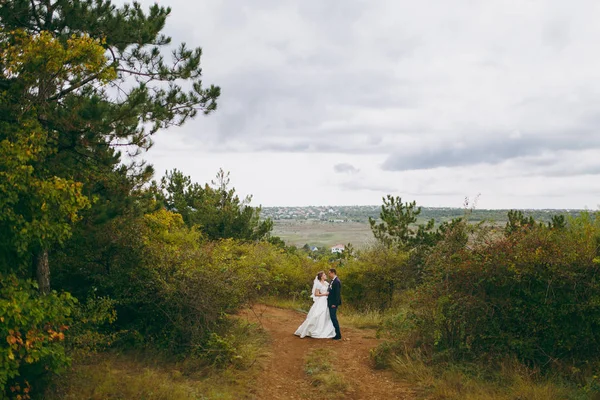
(318,293)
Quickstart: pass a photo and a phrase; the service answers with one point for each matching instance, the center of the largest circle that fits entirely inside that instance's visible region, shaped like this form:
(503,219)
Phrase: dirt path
(283,376)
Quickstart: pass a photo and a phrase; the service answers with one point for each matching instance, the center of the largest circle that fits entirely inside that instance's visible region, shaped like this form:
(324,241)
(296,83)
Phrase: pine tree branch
(73,87)
(35,14)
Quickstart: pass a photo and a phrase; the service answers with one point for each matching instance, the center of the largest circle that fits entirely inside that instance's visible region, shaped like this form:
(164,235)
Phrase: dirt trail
(283,376)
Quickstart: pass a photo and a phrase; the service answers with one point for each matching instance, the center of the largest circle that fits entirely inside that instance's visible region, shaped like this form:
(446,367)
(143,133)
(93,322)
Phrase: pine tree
(90,104)
(215,208)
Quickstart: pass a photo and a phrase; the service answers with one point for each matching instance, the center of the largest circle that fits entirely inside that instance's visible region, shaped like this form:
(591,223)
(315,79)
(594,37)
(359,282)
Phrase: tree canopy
(82,82)
(215,208)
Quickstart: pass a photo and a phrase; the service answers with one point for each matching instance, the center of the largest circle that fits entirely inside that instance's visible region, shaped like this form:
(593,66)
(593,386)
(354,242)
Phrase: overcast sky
(339,102)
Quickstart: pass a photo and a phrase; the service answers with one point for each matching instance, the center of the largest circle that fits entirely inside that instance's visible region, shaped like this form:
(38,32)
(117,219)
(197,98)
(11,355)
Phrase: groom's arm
(338,293)
(335,293)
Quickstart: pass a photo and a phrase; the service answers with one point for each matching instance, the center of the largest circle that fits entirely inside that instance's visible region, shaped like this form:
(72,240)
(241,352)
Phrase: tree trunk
(42,271)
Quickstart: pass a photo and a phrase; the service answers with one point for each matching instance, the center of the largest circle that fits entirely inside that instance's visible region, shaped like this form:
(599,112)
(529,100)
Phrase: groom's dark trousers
(336,324)
(334,300)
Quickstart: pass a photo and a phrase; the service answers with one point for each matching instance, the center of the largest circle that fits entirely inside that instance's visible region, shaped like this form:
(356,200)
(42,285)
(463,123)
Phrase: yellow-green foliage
(41,59)
(56,201)
(36,209)
(361,319)
(174,287)
(298,303)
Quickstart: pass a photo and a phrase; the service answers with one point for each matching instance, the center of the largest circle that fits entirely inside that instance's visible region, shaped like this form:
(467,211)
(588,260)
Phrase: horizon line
(441,207)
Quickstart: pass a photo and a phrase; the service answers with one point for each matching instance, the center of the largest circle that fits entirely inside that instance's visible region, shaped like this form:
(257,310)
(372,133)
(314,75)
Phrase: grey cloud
(315,147)
(314,61)
(566,171)
(255,101)
(345,168)
(495,150)
(559,165)
(298,147)
(556,34)
(427,85)
(563,192)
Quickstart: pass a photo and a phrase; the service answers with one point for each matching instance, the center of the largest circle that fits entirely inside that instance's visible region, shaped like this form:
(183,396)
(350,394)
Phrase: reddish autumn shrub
(32,331)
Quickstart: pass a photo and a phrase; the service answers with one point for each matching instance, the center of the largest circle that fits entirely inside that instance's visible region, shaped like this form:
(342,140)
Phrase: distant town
(361,214)
(323,213)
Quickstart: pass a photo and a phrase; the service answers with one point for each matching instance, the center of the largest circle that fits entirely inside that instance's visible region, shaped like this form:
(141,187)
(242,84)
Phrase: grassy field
(326,234)
(300,231)
(322,233)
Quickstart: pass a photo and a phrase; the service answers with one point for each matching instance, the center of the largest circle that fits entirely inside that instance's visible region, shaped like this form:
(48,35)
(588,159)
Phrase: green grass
(323,234)
(322,374)
(151,376)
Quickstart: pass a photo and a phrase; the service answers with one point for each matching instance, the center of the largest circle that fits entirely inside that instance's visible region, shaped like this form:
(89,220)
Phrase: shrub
(90,330)
(373,278)
(32,329)
(533,293)
(171,286)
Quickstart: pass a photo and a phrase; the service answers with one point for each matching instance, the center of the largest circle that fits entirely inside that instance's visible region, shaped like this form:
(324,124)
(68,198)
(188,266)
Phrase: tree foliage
(216,209)
(398,227)
(37,208)
(80,81)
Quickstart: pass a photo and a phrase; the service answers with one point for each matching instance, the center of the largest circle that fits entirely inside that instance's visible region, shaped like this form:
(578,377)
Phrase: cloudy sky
(338,102)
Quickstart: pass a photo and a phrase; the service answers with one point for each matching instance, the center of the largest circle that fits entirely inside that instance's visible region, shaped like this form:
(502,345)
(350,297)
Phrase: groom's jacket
(335,293)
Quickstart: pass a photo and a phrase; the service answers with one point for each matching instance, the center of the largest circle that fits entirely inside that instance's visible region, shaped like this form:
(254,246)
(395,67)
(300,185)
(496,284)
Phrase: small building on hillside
(338,248)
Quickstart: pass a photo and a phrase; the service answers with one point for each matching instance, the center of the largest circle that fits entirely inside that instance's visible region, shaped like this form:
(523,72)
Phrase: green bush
(90,330)
(533,293)
(375,277)
(32,328)
(170,285)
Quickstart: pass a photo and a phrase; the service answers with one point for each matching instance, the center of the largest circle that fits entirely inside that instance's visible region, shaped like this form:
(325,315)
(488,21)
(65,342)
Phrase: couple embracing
(321,321)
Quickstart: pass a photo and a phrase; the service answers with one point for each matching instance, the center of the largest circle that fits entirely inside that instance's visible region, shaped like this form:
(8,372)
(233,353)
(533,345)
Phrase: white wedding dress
(318,322)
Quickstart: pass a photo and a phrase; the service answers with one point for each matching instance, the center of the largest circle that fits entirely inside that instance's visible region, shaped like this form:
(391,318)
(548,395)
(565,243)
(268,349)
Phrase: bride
(318,322)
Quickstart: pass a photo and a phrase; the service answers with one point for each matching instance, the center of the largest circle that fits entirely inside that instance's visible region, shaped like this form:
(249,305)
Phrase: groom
(334,300)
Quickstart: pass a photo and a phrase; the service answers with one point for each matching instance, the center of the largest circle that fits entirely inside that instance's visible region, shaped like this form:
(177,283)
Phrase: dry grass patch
(150,376)
(321,373)
(368,319)
(512,382)
(111,376)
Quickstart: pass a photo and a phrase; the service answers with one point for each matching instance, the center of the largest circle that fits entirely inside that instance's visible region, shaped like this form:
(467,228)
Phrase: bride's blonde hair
(320,274)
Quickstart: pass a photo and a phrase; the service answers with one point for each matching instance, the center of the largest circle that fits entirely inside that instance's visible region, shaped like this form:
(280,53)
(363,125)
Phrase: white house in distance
(338,248)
